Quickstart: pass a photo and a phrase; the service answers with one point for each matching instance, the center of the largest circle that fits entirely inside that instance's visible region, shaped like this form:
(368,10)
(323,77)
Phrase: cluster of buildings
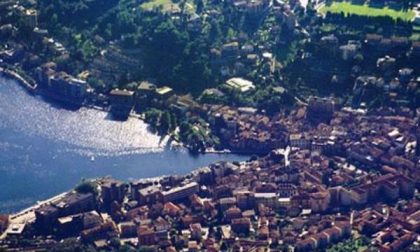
(147,95)
(63,210)
(243,54)
(239,57)
(390,44)
(326,173)
(392,228)
(300,198)
(320,124)
(253,8)
(46,74)
(47,70)
(396,86)
(341,62)
(344,174)
(245,130)
(61,85)
(25,12)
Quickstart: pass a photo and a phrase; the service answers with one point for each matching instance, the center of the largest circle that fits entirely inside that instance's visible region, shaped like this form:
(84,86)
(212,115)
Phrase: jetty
(29,85)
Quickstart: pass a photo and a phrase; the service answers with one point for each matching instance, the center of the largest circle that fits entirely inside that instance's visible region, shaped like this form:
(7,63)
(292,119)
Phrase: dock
(13,75)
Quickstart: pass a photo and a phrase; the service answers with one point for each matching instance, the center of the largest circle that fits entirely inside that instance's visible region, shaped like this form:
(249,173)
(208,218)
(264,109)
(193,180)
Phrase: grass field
(415,36)
(416,33)
(365,10)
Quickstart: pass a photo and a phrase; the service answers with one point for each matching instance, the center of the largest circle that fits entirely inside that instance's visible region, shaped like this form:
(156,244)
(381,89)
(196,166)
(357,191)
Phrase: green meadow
(366,10)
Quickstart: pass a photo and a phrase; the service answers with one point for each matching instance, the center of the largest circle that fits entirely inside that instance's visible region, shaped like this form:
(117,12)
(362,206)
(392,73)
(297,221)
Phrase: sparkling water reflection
(45,149)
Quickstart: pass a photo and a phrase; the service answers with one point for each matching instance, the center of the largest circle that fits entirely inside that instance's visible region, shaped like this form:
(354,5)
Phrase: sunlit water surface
(45,149)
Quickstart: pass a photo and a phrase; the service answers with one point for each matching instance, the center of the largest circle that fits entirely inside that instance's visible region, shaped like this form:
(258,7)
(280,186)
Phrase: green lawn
(354,244)
(416,33)
(415,36)
(365,10)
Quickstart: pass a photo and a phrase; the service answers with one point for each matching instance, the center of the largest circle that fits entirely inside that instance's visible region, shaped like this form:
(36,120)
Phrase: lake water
(45,149)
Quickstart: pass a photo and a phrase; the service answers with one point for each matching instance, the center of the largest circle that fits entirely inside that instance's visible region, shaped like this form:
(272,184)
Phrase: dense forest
(171,54)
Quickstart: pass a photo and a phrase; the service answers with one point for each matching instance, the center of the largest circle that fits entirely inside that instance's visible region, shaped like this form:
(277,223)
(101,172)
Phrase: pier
(21,80)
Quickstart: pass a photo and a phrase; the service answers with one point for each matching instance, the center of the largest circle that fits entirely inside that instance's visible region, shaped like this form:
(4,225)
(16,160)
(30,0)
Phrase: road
(28,215)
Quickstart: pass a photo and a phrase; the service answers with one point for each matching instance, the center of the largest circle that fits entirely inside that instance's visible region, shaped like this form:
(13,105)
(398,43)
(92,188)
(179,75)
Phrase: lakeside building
(180,192)
(144,94)
(69,87)
(73,203)
(60,85)
(112,190)
(121,102)
(16,230)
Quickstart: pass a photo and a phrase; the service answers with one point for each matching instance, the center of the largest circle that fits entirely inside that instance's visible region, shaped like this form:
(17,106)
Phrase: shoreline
(7,73)
(16,216)
(35,90)
(176,144)
(26,214)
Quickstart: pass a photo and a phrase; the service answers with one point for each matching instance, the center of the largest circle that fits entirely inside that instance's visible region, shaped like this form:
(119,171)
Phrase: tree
(199,6)
(115,243)
(174,122)
(358,58)
(152,117)
(126,248)
(146,249)
(213,99)
(87,187)
(70,245)
(165,123)
(54,19)
(331,164)
(215,31)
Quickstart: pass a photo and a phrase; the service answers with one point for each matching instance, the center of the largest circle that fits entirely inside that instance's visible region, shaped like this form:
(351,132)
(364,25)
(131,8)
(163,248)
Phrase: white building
(240,84)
